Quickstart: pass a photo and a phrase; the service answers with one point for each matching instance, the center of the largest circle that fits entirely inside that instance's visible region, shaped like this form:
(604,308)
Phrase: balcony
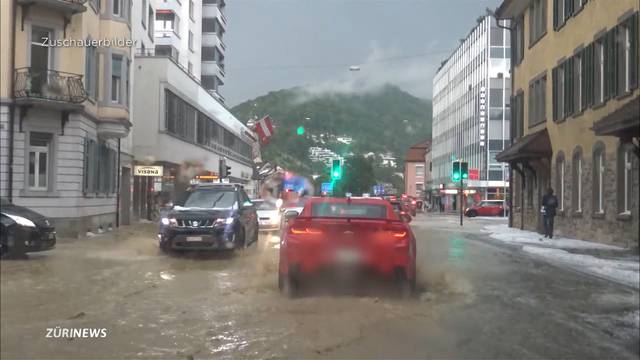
(213,11)
(69,7)
(212,68)
(212,39)
(49,88)
(167,38)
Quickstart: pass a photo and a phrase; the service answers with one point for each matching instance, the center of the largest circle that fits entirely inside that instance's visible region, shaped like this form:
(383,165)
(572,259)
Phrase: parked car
(24,230)
(487,208)
(333,234)
(293,205)
(268,215)
(213,217)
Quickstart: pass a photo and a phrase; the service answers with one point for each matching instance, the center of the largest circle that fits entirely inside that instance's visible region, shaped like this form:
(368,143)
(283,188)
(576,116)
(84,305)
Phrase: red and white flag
(264,128)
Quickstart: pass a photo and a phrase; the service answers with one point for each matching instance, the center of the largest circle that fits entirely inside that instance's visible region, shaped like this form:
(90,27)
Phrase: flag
(264,128)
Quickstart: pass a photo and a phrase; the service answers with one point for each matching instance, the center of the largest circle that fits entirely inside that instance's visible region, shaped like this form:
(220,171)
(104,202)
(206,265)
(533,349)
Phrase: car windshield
(346,210)
(264,205)
(211,199)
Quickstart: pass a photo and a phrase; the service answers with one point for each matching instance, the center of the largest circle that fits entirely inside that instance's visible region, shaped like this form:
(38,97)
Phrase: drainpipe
(12,104)
(118,188)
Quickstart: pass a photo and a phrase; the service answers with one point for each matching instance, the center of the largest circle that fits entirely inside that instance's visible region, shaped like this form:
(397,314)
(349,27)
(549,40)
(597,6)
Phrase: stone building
(575,105)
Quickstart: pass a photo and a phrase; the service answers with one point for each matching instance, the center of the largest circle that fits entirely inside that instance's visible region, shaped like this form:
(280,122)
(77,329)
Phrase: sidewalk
(605,261)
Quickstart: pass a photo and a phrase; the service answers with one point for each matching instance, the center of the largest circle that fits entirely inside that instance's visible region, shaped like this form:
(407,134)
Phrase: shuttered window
(100,168)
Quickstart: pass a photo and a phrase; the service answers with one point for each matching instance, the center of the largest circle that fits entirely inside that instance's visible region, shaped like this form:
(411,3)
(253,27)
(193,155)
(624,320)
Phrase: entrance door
(40,59)
(125,196)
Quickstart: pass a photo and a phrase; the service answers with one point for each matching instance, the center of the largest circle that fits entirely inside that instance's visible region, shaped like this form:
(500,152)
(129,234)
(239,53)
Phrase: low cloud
(383,66)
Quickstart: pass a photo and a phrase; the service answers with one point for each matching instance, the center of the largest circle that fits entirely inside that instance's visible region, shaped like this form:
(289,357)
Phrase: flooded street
(475,299)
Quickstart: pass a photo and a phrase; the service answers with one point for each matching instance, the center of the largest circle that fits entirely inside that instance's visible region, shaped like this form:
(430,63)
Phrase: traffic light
(300,130)
(228,171)
(464,169)
(224,170)
(336,169)
(455,173)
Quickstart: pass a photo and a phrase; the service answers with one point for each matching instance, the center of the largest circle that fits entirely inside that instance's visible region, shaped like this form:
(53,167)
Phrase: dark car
(213,217)
(24,230)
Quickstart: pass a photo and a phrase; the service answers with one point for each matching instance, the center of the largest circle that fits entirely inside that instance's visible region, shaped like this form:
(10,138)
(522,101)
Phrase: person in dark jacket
(549,206)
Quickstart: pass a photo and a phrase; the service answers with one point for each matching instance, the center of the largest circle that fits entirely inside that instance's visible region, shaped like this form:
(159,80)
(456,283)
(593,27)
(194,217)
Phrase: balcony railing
(53,85)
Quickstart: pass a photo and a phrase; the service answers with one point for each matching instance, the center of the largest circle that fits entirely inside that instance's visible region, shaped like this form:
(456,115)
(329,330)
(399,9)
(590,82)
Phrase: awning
(623,123)
(532,146)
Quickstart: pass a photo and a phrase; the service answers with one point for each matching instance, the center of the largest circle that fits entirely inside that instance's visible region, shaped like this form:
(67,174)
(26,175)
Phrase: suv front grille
(195,223)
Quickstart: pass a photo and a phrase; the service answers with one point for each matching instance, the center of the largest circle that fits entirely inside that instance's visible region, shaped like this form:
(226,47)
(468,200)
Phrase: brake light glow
(399,234)
(413,202)
(305,231)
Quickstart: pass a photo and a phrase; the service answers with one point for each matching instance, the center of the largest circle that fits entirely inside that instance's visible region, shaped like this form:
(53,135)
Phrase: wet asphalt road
(476,300)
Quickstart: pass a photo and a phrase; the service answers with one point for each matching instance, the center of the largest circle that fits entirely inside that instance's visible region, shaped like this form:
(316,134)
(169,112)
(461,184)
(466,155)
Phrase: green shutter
(635,61)
(555,13)
(554,92)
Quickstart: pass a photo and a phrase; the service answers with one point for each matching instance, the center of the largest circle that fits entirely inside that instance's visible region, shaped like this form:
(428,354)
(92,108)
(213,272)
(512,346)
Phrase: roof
(424,144)
(354,200)
(623,123)
(509,9)
(415,155)
(532,146)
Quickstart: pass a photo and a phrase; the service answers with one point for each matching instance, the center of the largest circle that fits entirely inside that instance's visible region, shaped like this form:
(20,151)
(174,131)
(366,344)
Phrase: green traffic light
(336,174)
(300,130)
(456,176)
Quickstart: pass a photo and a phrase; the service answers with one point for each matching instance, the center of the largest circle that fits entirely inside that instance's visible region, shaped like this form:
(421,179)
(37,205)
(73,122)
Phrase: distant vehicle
(335,235)
(296,205)
(268,215)
(23,230)
(401,210)
(487,208)
(214,217)
(411,204)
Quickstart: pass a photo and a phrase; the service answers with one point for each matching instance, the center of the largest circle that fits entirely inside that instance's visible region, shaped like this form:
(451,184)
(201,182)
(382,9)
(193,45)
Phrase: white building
(471,112)
(191,31)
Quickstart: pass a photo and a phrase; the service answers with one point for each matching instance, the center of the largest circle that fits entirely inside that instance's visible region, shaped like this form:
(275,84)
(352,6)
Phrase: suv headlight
(169,221)
(227,221)
(21,221)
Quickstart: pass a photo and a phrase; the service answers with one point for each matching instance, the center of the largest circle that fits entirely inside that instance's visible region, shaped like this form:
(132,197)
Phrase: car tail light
(399,234)
(413,202)
(304,231)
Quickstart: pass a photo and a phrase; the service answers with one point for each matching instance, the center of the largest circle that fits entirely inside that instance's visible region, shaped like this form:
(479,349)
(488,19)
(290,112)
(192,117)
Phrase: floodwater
(474,300)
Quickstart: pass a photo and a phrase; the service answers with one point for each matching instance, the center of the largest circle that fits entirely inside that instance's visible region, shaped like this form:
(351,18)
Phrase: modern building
(191,31)
(414,169)
(471,114)
(181,135)
(575,71)
(428,177)
(64,108)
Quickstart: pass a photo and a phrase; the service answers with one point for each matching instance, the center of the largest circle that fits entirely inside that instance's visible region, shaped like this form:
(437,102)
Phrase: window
(190,68)
(100,168)
(208,53)
(537,20)
(577,181)
(625,179)
(587,77)
(598,72)
(577,83)
(90,71)
(419,170)
(208,25)
(39,160)
(628,54)
(209,81)
(598,179)
(117,7)
(96,5)
(560,179)
(610,65)
(190,41)
(192,10)
(568,88)
(116,78)
(537,101)
(517,46)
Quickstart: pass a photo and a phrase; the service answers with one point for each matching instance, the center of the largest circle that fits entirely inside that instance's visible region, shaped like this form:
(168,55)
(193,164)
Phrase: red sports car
(345,233)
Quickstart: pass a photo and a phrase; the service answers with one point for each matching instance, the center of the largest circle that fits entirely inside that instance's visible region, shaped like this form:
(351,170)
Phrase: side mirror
(290,214)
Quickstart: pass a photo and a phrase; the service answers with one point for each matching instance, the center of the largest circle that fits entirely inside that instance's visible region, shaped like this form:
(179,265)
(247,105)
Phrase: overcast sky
(276,44)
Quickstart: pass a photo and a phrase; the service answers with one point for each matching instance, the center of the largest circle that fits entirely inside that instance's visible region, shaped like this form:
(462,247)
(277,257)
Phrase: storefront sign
(483,113)
(144,170)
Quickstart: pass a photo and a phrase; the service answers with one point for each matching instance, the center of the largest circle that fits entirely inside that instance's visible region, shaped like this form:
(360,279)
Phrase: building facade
(576,125)
(191,31)
(184,131)
(471,114)
(64,108)
(415,169)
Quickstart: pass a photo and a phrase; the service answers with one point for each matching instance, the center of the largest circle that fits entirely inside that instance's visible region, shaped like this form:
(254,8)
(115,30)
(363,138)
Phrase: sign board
(145,170)
(326,187)
(474,174)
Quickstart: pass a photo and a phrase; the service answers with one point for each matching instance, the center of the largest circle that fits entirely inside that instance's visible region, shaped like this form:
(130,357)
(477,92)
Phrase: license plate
(348,256)
(194,238)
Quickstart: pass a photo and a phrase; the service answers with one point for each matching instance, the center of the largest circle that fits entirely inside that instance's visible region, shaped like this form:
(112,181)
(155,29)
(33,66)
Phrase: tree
(357,177)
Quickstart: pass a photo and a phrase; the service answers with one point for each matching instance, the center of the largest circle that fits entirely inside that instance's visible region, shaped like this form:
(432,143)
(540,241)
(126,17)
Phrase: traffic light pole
(461,200)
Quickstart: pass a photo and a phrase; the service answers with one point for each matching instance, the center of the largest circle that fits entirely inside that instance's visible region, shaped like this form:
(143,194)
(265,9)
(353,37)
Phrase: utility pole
(461,200)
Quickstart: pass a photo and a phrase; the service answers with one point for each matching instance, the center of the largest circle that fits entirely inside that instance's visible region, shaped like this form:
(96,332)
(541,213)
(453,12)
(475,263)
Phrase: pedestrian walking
(549,206)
